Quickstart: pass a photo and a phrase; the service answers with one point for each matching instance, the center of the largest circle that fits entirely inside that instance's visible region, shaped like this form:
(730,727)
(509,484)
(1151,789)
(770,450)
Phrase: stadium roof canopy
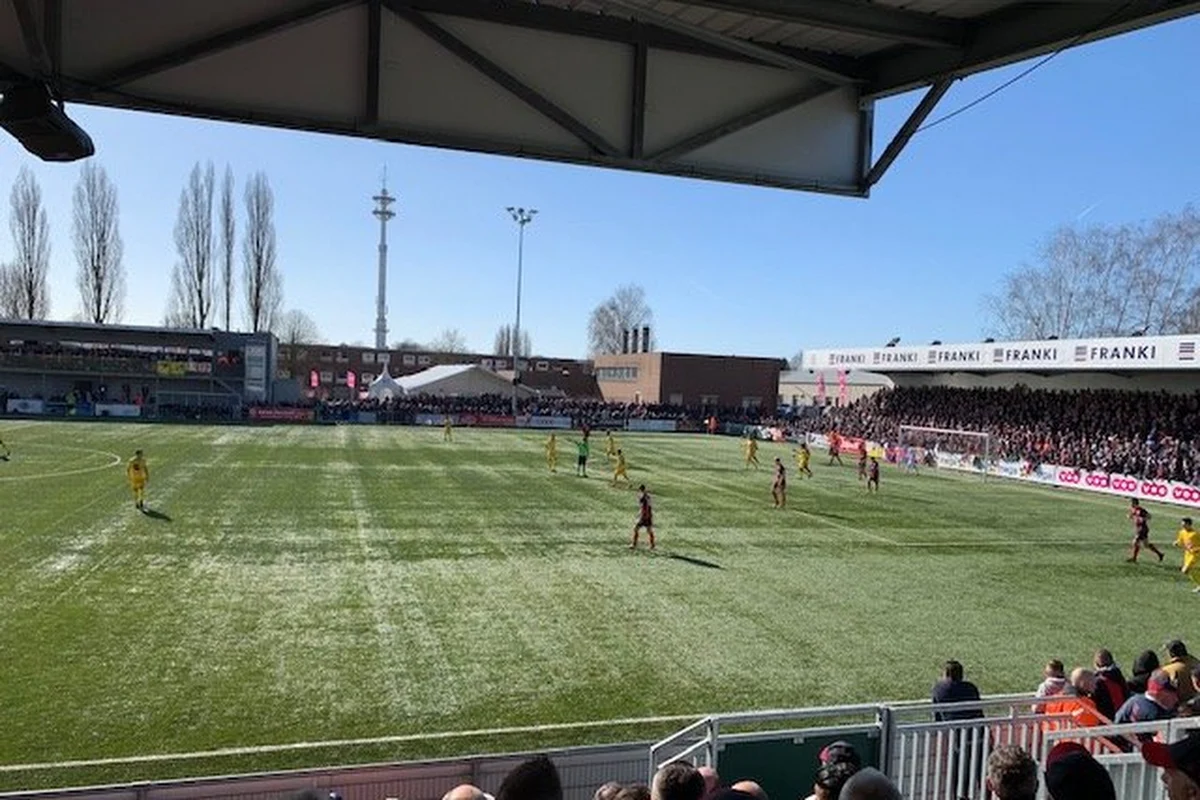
(458,380)
(1130,354)
(774,92)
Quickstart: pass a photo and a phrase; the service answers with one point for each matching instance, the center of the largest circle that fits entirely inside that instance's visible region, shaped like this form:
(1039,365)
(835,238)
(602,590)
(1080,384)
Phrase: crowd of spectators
(1145,434)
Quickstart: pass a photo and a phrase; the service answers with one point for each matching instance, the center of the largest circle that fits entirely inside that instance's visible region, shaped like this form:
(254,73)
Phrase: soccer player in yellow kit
(802,456)
(620,470)
(552,453)
(610,446)
(446,429)
(751,448)
(138,474)
(1189,539)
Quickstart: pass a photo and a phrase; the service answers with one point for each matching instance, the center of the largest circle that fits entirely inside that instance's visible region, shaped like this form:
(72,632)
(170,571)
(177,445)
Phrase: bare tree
(503,343)
(625,310)
(295,327)
(406,344)
(796,361)
(193,279)
(228,234)
(96,236)
(450,340)
(8,292)
(27,290)
(1105,281)
(260,276)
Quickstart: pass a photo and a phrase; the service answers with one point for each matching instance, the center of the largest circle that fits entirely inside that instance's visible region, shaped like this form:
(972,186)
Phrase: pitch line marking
(410,737)
(116,460)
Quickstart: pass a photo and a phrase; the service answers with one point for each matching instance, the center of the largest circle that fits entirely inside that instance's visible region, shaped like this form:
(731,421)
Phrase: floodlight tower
(383,213)
(521,216)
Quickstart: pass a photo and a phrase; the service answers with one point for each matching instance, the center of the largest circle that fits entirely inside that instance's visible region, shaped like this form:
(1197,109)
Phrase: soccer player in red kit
(645,518)
(1141,530)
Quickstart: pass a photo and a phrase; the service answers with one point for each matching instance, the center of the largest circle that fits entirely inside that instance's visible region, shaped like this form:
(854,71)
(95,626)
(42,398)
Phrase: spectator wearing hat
(1012,774)
(1073,774)
(839,752)
(1157,702)
(1179,668)
(830,778)
(1111,690)
(1181,764)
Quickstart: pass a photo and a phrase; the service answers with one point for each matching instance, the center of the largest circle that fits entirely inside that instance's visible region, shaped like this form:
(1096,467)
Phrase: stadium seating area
(1148,435)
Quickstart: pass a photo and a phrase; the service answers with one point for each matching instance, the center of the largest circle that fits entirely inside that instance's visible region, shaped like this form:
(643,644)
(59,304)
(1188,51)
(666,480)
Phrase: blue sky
(1105,133)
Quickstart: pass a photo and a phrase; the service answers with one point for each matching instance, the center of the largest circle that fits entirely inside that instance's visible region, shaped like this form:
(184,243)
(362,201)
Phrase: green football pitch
(306,584)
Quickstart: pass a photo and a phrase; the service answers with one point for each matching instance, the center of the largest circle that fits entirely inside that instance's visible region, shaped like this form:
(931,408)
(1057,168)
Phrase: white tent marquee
(384,387)
(458,380)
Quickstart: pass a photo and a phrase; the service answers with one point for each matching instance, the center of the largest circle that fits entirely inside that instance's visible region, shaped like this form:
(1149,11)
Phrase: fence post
(885,717)
(714,733)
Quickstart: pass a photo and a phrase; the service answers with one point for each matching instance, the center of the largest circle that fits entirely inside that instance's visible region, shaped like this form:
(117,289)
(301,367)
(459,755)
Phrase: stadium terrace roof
(1121,354)
(773,92)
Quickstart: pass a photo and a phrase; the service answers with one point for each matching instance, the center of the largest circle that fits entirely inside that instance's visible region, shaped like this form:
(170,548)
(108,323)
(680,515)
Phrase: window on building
(367,377)
(751,402)
(676,399)
(501,363)
(383,358)
(368,358)
(326,377)
(409,359)
(326,356)
(616,373)
(342,358)
(487,363)
(543,366)
(709,399)
(422,360)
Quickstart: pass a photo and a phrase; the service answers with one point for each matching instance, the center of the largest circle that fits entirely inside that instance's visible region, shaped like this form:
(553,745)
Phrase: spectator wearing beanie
(1157,702)
(1111,690)
(1072,774)
(1143,665)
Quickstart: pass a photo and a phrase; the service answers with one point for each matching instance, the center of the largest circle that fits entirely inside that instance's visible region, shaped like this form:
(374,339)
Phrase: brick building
(327,371)
(689,379)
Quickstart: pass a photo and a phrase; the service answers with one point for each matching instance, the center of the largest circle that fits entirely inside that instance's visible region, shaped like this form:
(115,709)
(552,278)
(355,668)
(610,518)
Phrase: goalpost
(968,451)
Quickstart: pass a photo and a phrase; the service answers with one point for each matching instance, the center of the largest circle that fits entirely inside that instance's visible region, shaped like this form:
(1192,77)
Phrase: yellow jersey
(1189,540)
(137,471)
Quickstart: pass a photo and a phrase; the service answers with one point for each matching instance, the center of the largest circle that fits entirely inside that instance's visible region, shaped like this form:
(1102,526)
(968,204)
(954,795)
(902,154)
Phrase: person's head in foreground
(1180,762)
(677,781)
(1072,774)
(1012,774)
(869,784)
(535,779)
(830,778)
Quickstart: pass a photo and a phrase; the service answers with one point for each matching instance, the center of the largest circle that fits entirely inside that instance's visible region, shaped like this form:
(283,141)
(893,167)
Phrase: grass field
(308,584)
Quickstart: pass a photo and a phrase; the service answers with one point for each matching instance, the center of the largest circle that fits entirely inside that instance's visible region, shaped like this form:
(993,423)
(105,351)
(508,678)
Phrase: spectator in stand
(677,781)
(1054,680)
(829,780)
(1111,691)
(1181,764)
(711,779)
(953,689)
(751,789)
(869,784)
(1012,774)
(608,791)
(535,779)
(1179,668)
(1157,702)
(839,752)
(634,791)
(1143,666)
(466,792)
(1073,774)
(1077,701)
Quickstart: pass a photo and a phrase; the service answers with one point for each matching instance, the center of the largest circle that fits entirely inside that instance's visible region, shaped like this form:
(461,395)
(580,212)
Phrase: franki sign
(1156,352)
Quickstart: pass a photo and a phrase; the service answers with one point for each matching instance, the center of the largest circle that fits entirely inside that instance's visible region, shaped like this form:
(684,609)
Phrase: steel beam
(876,21)
(509,82)
(723,41)
(553,19)
(1012,35)
(52,33)
(742,121)
(910,127)
(180,54)
(637,112)
(374,44)
(35,46)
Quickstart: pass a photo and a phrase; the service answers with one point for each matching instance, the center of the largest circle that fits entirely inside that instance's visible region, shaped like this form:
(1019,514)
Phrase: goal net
(969,451)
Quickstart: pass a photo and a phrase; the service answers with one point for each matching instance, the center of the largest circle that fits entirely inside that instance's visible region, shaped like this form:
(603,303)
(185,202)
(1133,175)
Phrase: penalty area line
(283,748)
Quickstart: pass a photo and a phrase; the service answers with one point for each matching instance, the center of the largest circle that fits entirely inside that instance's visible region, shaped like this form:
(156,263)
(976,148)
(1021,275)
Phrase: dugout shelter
(770,92)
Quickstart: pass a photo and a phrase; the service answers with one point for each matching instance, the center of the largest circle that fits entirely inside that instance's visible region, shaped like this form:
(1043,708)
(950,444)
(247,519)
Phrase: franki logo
(1140,352)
